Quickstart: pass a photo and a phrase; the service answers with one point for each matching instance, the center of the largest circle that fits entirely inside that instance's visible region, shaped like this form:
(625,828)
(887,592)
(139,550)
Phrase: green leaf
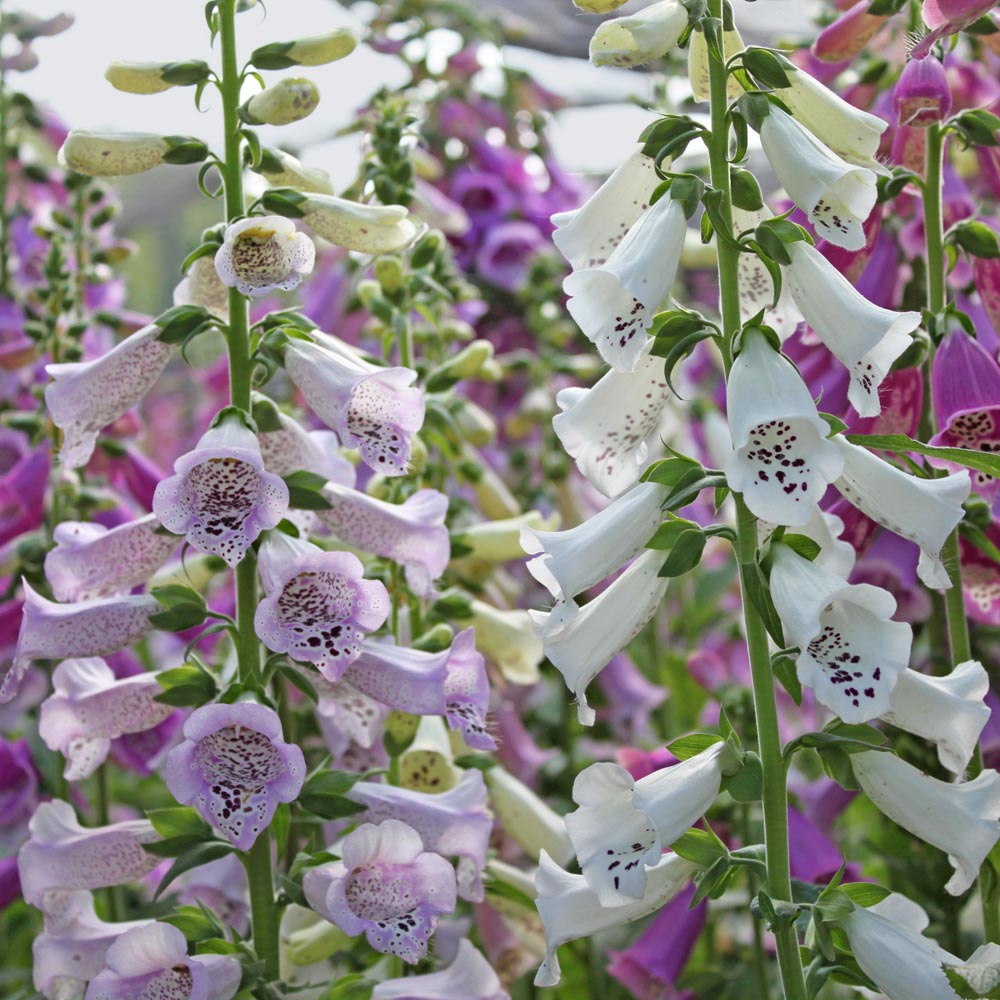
(685,553)
(700,847)
(989,990)
(669,532)
(305,491)
(195,858)
(850,739)
(747,784)
(746,190)
(187,685)
(760,597)
(670,471)
(324,794)
(975,237)
(837,765)
(693,744)
(179,821)
(754,107)
(178,324)
(273,56)
(354,986)
(981,461)
(977,127)
(865,893)
(196,923)
(185,74)
(784,669)
(767,68)
(806,547)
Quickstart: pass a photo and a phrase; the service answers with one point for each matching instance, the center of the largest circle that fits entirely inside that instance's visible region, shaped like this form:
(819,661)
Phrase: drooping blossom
(922,95)
(373,229)
(287,447)
(847,36)
(24,478)
(469,976)
(262,254)
(112,154)
(202,286)
(289,100)
(638,38)
(505,256)
(947,17)
(526,818)
(353,715)
(826,530)
(467,692)
(630,700)
(18,793)
(507,637)
(404,679)
(235,768)
(428,763)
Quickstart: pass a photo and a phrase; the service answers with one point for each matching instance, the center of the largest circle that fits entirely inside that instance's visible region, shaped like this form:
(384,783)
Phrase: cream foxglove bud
(922,96)
(533,824)
(599,6)
(264,253)
(638,38)
(500,541)
(202,286)
(112,154)
(508,639)
(289,101)
(153,78)
(470,976)
(281,169)
(316,50)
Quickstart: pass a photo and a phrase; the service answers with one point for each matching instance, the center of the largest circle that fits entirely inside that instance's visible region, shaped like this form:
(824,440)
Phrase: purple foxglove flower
(455,823)
(24,477)
(60,854)
(51,631)
(235,769)
(981,580)
(262,254)
(412,533)
(467,692)
(18,795)
(86,396)
(351,713)
(91,561)
(291,447)
(922,95)
(387,887)
(505,256)
(318,606)
(849,34)
(10,883)
(483,194)
(946,17)
(469,977)
(986,273)
(376,410)
(631,699)
(221,498)
(404,679)
(90,707)
(221,886)
(814,857)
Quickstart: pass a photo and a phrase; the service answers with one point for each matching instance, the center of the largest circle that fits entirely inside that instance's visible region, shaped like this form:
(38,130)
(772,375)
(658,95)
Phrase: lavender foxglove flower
(353,715)
(376,410)
(467,692)
(407,680)
(90,560)
(630,700)
(638,38)
(235,769)
(505,256)
(387,887)
(264,253)
(221,498)
(86,396)
(469,976)
(318,606)
(61,855)
(290,448)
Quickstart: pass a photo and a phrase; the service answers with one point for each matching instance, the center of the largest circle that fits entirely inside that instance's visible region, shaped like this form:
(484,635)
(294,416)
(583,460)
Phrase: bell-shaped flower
(467,692)
(960,819)
(836,554)
(527,818)
(580,642)
(404,679)
(90,560)
(947,17)
(318,605)
(848,35)
(925,511)
(587,236)
(289,447)
(614,303)
(61,855)
(235,768)
(376,410)
(152,961)
(606,429)
(570,909)
(98,627)
(864,337)
(508,639)
(470,976)
(851,652)
(221,498)
(454,824)
(86,396)
(922,95)
(90,707)
(412,533)
(262,254)
(981,971)
(949,711)
(353,714)
(289,100)
(428,763)
(699,63)
(637,38)
(757,285)
(835,195)
(782,460)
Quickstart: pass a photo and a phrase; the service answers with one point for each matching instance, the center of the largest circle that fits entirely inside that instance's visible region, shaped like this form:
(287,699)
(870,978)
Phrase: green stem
(265,913)
(111,894)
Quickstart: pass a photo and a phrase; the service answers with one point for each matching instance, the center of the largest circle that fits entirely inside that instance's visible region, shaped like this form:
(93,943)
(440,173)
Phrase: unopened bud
(112,154)
(638,38)
(289,101)
(316,50)
(922,96)
(599,6)
(282,170)
(532,823)
(373,229)
(153,78)
(389,273)
(476,425)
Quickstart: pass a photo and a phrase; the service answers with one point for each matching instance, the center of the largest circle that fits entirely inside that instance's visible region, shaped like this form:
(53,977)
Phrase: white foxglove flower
(982,970)
(469,977)
(638,38)
(580,642)
(568,562)
(587,235)
(864,337)
(528,819)
(373,229)
(698,64)
(836,195)
(852,653)
(959,819)
(782,461)
(824,529)
(623,825)
(924,511)
(606,429)
(570,909)
(949,711)
(264,253)
(614,304)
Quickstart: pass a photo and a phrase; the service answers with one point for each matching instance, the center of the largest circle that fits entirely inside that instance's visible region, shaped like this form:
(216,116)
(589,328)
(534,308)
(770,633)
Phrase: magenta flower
(922,95)
(221,498)
(946,17)
(386,887)
(467,692)
(235,768)
(849,34)
(981,580)
(318,606)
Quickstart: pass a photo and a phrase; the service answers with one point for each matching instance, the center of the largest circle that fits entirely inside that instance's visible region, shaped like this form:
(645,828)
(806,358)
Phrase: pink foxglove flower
(61,854)
(469,976)
(318,606)
(262,254)
(946,17)
(387,887)
(638,38)
(852,653)
(90,707)
(235,768)
(86,396)
(221,498)
(374,409)
(922,95)
(849,34)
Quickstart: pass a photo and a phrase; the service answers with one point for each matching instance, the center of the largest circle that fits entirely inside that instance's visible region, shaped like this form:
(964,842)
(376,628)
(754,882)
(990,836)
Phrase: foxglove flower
(90,560)
(18,794)
(849,34)
(469,976)
(836,554)
(757,285)
(90,707)
(61,855)
(699,63)
(836,195)
(606,429)
(289,100)
(959,819)
(97,627)
(290,448)
(508,639)
(221,498)
(581,641)
(852,653)
(566,563)
(638,38)
(614,303)
(782,461)
(467,692)
(412,533)
(350,712)
(283,170)
(404,679)
(202,286)
(922,95)
(526,818)
(235,769)
(376,410)
(86,396)
(949,711)
(630,700)
(112,154)
(946,17)
(622,825)
(318,606)
(262,254)
(370,229)
(570,909)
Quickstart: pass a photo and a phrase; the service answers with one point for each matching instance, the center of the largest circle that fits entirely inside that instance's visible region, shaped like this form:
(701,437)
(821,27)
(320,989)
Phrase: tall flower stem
(775,795)
(257,860)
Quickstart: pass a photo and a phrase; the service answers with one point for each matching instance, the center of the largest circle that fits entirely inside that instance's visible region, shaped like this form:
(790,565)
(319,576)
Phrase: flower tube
(527,818)
(469,976)
(638,38)
(262,254)
(404,679)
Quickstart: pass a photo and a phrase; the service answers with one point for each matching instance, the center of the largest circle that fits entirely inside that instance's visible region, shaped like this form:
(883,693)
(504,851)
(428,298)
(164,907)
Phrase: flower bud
(289,101)
(922,96)
(153,78)
(390,274)
(532,823)
(847,37)
(281,169)
(599,6)
(371,229)
(636,39)
(316,50)
(112,154)
(476,425)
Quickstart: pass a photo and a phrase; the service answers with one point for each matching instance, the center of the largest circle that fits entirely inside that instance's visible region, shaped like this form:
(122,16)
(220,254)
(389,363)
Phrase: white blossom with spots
(262,254)
(639,38)
(469,977)
(373,229)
